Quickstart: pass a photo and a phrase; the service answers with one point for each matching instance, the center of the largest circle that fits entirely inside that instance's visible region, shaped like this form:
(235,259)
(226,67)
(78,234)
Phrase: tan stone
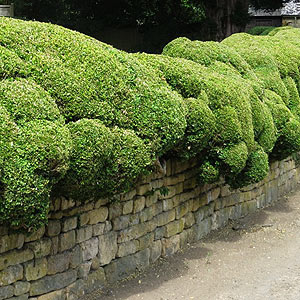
(84,219)
(128,248)
(67,241)
(143,189)
(56,295)
(165,218)
(98,215)
(10,242)
(11,275)
(139,204)
(127,207)
(36,235)
(67,203)
(15,257)
(174,228)
(36,269)
(115,210)
(53,228)
(107,247)
(69,224)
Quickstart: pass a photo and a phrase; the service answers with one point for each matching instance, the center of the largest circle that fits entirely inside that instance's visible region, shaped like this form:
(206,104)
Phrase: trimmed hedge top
(85,120)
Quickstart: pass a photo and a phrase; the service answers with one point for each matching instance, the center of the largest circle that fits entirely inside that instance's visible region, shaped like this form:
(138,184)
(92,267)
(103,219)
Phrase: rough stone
(98,215)
(170,246)
(115,210)
(75,257)
(84,234)
(11,275)
(53,228)
(133,232)
(75,290)
(127,207)
(84,269)
(84,219)
(59,263)
(21,287)
(69,224)
(98,229)
(146,241)
(107,247)
(182,210)
(95,280)
(159,233)
(168,204)
(139,204)
(128,196)
(95,263)
(174,228)
(121,222)
(67,241)
(54,245)
(155,251)
(89,249)
(128,248)
(143,189)
(151,199)
(36,269)
(67,203)
(101,202)
(38,234)
(10,242)
(6,292)
(189,220)
(146,214)
(15,257)
(22,297)
(165,218)
(56,295)
(52,283)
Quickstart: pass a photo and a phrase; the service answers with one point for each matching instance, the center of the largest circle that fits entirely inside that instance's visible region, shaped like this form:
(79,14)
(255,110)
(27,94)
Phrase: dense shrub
(81,118)
(260,30)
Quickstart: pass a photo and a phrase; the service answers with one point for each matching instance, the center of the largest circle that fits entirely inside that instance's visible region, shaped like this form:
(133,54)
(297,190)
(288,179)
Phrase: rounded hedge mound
(83,119)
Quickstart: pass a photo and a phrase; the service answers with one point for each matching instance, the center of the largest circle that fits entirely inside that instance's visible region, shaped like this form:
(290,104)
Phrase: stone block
(67,203)
(127,207)
(89,249)
(134,220)
(202,229)
(36,235)
(139,204)
(6,292)
(69,224)
(53,228)
(75,290)
(56,295)
(168,204)
(36,269)
(165,218)
(75,257)
(95,280)
(101,202)
(11,275)
(184,238)
(21,287)
(21,297)
(84,233)
(15,257)
(146,214)
(174,228)
(107,247)
(10,242)
(67,241)
(123,267)
(99,229)
(173,180)
(146,241)
(143,189)
(157,208)
(54,245)
(159,233)
(84,219)
(121,222)
(84,270)
(171,245)
(59,263)
(128,248)
(226,190)
(52,283)
(155,251)
(190,184)
(213,194)
(189,220)
(115,210)
(95,263)
(98,215)
(151,199)
(182,210)
(128,196)
(133,232)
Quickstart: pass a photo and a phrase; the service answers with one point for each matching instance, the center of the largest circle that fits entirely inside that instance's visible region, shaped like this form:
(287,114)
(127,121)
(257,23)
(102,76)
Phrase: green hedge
(85,120)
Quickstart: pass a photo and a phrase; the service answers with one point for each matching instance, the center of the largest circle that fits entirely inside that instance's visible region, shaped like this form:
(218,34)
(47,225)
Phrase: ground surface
(256,258)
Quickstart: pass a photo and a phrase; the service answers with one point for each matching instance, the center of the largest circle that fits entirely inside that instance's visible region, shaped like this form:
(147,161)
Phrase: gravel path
(257,258)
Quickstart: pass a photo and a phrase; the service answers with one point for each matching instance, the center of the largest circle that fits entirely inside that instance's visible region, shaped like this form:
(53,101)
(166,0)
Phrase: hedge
(83,119)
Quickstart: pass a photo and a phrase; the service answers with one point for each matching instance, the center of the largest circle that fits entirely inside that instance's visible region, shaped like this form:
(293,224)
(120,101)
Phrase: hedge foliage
(81,118)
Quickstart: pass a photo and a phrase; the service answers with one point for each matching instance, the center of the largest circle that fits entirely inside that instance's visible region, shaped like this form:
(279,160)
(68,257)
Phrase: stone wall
(88,246)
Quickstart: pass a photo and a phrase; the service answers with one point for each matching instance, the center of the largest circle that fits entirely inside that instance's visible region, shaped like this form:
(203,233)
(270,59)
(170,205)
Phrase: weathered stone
(22,297)
(21,287)
(56,215)
(69,224)
(165,218)
(159,233)
(143,189)
(11,275)
(95,263)
(36,269)
(127,207)
(133,232)
(107,247)
(121,222)
(67,241)
(38,234)
(98,229)
(155,251)
(184,238)
(52,283)
(108,226)
(84,269)
(6,292)
(134,220)
(151,199)
(98,215)
(128,196)
(157,184)
(128,248)
(146,214)
(84,219)
(202,229)
(213,194)
(53,228)
(89,249)
(101,202)
(67,203)
(182,210)
(75,257)
(54,245)
(190,184)
(15,257)
(84,234)
(168,204)
(174,227)
(10,242)
(171,192)
(95,280)
(122,267)
(173,180)
(56,295)
(139,204)
(59,263)
(115,210)
(146,241)
(75,290)
(226,190)
(170,246)
(189,220)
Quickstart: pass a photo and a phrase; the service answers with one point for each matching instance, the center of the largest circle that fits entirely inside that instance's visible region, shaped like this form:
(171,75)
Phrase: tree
(268,4)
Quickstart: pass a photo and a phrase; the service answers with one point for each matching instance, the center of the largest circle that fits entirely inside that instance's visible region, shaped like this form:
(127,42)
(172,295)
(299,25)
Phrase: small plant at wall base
(82,119)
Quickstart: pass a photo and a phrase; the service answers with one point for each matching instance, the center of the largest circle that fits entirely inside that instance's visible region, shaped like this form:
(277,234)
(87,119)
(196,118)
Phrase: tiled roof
(291,8)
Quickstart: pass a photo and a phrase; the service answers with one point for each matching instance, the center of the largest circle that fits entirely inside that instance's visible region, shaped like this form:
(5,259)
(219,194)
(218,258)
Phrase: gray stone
(170,246)
(107,247)
(98,229)
(115,210)
(40,248)
(38,234)
(69,224)
(11,275)
(36,269)
(67,241)
(95,280)
(202,229)
(189,220)
(121,222)
(84,269)
(165,218)
(139,204)
(146,241)
(53,228)
(95,263)
(155,251)
(52,283)
(159,233)
(6,292)
(56,295)
(84,234)
(15,257)
(84,219)
(128,248)
(10,242)
(21,297)
(59,263)
(108,226)
(75,290)
(21,287)
(123,267)
(75,257)
(89,249)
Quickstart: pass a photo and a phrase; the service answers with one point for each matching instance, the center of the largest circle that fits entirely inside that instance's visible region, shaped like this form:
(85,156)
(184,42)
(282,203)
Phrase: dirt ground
(256,258)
